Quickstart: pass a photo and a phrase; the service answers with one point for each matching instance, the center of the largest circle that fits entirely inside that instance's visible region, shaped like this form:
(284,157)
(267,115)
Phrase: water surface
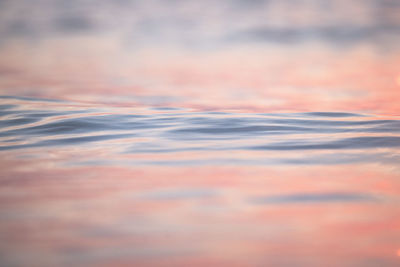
(200,133)
(108,185)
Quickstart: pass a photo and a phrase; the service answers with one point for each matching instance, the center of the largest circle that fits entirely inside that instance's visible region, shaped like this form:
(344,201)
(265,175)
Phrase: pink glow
(250,80)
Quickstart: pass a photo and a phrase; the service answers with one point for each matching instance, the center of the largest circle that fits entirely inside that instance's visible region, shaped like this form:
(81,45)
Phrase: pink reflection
(122,215)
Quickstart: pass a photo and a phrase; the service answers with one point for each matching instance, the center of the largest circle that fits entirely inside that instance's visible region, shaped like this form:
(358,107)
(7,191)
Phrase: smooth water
(102,185)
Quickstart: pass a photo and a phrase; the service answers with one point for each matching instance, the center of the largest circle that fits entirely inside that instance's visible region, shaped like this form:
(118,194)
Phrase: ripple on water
(33,124)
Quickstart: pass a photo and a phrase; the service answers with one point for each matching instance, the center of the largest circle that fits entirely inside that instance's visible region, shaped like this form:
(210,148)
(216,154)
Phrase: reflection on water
(105,185)
(199,133)
(148,130)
